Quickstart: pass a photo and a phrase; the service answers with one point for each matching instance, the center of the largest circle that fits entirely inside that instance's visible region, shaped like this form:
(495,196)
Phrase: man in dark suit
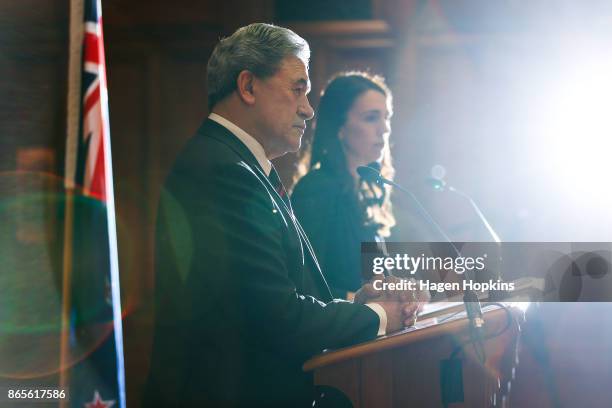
(240,300)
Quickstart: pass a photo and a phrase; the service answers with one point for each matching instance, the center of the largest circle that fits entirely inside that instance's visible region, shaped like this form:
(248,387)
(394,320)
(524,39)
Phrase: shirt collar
(250,142)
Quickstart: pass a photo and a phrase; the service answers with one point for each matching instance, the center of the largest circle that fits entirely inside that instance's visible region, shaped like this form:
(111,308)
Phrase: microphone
(470,299)
(440,185)
(371,174)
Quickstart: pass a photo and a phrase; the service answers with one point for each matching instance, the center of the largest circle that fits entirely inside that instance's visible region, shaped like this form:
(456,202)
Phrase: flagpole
(72,133)
(112,227)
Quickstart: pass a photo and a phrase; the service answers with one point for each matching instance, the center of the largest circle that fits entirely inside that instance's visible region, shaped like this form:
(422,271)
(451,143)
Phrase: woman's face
(366,129)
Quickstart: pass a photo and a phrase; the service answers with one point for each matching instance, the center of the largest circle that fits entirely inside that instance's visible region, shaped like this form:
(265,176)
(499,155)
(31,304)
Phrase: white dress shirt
(253,145)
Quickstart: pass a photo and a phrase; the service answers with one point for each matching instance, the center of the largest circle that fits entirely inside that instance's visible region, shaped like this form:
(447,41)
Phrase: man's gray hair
(258,48)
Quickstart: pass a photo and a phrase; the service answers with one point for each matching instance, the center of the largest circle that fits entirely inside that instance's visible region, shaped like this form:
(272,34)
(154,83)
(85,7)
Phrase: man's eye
(298,91)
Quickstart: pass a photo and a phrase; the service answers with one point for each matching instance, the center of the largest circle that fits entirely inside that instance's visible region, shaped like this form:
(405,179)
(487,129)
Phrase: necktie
(282,192)
(279,187)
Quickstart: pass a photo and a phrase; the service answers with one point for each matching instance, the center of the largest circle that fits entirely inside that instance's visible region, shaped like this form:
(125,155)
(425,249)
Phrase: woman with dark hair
(337,208)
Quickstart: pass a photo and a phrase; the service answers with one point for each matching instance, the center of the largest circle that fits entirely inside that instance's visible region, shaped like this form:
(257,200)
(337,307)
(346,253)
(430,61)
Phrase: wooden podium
(405,369)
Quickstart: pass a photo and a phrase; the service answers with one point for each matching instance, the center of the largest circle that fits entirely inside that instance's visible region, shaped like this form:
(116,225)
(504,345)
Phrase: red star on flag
(98,403)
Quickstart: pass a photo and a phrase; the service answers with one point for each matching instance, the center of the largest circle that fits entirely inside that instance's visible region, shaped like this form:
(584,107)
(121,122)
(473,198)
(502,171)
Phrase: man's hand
(399,315)
(401,306)
(368,293)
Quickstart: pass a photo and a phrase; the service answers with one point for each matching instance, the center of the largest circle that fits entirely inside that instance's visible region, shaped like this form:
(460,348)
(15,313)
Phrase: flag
(92,346)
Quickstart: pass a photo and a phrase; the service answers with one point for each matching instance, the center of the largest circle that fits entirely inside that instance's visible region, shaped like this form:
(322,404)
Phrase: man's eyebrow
(303,82)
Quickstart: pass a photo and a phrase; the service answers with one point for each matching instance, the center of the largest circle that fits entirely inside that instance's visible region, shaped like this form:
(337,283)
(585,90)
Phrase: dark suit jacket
(329,210)
(240,300)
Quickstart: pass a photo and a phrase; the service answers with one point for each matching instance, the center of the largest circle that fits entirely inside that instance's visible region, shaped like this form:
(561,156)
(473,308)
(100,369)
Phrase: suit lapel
(322,283)
(210,128)
(213,129)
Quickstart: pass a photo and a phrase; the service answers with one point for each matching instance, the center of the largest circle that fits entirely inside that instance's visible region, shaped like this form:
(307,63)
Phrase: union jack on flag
(94,369)
(90,165)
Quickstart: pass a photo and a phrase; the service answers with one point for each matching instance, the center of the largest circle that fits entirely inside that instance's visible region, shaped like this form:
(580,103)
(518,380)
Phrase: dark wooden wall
(156,56)
(33,78)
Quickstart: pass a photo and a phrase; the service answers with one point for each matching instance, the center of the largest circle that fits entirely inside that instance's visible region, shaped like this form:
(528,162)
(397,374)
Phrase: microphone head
(436,183)
(368,173)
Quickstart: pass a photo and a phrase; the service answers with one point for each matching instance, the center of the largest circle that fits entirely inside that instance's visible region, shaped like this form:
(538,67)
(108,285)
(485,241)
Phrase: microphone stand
(470,299)
(440,185)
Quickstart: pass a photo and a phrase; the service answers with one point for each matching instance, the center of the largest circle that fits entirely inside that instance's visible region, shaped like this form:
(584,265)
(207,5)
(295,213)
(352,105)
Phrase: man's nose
(305,110)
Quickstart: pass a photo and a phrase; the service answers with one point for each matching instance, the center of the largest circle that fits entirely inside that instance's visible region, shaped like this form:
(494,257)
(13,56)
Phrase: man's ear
(244,85)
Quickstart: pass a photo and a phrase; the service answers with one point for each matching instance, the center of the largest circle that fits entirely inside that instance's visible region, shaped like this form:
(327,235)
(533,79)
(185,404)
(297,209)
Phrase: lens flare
(32,207)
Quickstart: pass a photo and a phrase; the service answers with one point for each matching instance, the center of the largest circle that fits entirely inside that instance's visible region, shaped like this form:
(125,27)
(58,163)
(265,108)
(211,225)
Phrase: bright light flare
(576,127)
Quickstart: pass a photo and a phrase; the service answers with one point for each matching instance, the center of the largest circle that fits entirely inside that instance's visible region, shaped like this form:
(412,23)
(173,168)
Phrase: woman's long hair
(326,151)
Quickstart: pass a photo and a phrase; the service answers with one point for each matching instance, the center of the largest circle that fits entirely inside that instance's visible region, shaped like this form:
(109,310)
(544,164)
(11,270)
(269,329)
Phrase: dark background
(464,75)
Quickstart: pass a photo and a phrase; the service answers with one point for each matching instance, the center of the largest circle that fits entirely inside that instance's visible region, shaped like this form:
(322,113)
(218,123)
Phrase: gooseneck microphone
(373,175)
(440,185)
(470,299)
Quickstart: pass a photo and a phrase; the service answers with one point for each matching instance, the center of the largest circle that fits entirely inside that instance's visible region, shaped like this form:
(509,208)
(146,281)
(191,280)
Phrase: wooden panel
(405,368)
(118,12)
(33,75)
(127,119)
(31,78)
(183,101)
(415,369)
(345,377)
(379,393)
